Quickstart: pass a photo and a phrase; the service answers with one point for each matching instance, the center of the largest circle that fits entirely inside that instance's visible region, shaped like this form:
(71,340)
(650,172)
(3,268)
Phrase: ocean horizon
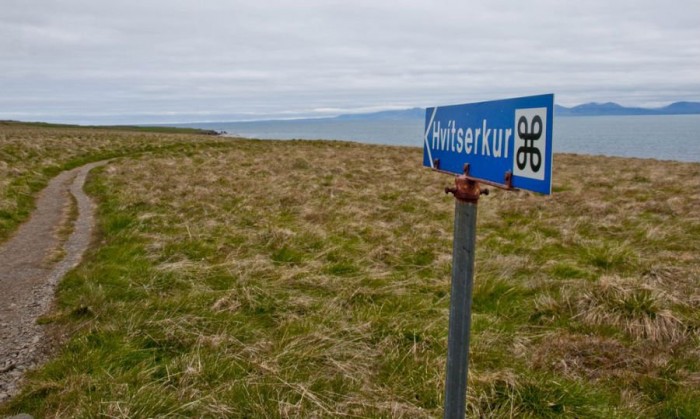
(662,137)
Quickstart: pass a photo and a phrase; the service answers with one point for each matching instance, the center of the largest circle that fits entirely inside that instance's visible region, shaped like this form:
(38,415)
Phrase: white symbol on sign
(530,143)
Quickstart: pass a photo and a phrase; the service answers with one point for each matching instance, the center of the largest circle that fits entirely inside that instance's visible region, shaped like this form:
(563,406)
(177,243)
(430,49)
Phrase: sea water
(665,137)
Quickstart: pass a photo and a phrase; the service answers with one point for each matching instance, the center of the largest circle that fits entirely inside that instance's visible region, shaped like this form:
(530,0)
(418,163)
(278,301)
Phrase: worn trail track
(28,277)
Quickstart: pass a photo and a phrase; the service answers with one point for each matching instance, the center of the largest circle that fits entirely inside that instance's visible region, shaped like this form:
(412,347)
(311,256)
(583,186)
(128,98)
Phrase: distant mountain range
(403,114)
(587,109)
(611,108)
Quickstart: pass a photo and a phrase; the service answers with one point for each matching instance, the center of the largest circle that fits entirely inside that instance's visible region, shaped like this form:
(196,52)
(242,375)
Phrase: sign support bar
(466,192)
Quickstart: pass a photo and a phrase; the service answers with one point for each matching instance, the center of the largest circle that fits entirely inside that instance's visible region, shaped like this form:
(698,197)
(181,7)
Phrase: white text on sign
(477,141)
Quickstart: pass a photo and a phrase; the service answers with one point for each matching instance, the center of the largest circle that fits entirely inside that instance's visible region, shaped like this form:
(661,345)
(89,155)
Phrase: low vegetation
(305,279)
(128,128)
(32,153)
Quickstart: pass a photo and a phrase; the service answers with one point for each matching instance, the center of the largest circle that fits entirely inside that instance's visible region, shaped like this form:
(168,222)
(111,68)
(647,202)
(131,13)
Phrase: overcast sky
(92,61)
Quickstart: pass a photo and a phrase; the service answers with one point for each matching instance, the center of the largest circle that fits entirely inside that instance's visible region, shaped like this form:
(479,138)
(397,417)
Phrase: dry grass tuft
(592,357)
(641,311)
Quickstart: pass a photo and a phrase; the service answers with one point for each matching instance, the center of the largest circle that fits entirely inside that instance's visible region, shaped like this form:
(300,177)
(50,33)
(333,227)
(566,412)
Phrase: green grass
(131,128)
(252,280)
(33,153)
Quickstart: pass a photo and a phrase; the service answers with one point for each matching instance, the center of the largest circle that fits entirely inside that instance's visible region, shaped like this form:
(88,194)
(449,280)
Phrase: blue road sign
(498,137)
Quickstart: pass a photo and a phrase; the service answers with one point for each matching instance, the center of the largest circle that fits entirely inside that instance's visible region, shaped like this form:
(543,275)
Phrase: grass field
(307,279)
(32,153)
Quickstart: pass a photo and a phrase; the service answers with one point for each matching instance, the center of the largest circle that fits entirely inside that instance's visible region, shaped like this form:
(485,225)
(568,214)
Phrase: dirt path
(28,276)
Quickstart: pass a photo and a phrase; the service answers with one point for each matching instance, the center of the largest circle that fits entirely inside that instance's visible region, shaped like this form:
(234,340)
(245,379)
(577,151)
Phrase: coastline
(664,138)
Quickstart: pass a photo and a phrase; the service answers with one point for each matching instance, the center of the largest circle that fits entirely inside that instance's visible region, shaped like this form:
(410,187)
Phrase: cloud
(86,61)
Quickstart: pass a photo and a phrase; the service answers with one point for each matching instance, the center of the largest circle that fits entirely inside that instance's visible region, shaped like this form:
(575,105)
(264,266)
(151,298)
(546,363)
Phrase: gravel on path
(27,281)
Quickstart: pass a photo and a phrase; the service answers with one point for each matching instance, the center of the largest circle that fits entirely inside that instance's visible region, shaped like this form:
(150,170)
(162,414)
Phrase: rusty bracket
(507,177)
(467,189)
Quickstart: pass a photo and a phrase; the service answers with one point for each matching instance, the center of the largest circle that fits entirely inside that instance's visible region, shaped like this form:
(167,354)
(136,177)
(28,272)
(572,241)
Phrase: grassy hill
(297,278)
(32,153)
(127,128)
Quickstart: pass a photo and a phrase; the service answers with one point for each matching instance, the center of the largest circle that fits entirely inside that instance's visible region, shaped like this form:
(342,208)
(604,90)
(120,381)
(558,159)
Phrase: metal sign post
(466,194)
(504,143)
